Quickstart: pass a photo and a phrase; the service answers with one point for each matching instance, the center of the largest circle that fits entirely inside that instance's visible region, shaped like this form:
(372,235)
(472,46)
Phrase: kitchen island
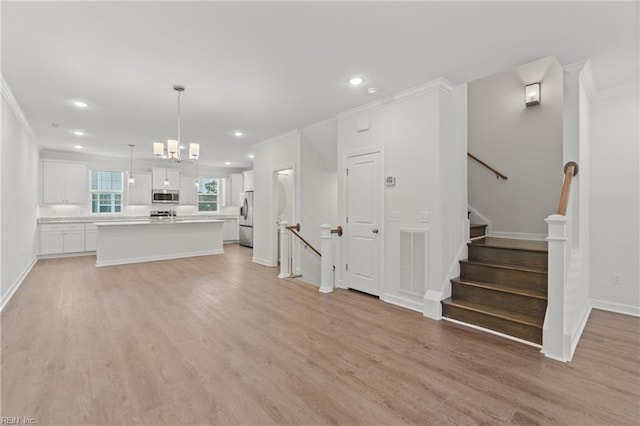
(150,240)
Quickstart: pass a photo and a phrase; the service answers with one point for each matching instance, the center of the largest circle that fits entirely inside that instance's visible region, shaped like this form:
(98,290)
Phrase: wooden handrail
(294,230)
(570,170)
(498,174)
(337,230)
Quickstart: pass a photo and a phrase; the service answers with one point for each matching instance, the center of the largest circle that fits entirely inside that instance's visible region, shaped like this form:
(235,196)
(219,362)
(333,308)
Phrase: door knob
(374,230)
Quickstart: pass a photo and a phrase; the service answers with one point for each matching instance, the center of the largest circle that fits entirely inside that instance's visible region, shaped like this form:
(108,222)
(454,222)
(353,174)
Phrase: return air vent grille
(413,261)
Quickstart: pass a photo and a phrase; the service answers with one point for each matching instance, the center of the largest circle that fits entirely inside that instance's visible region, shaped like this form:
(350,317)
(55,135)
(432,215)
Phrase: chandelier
(172,151)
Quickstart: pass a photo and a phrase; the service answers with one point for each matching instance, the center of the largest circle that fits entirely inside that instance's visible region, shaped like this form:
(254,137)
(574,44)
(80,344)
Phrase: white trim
(615,307)
(586,77)
(575,67)
(276,138)
(262,262)
(495,333)
(402,302)
(156,258)
(518,235)
(578,333)
(7,94)
(442,85)
(483,217)
(341,284)
(17,283)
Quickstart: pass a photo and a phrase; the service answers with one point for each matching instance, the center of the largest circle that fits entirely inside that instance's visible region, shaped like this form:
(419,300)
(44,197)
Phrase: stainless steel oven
(165,196)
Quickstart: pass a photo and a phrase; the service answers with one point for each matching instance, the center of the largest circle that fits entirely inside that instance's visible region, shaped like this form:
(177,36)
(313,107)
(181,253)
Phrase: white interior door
(364,195)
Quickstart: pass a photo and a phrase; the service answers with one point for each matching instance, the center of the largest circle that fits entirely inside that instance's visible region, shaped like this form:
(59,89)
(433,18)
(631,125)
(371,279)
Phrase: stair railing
(326,256)
(497,173)
(557,339)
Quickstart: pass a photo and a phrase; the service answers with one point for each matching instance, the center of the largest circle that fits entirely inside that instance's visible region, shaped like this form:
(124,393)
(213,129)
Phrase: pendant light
(173,146)
(131,179)
(166,178)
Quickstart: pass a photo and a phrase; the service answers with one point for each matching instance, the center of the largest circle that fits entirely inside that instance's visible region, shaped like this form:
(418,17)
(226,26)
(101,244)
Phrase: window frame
(217,194)
(92,191)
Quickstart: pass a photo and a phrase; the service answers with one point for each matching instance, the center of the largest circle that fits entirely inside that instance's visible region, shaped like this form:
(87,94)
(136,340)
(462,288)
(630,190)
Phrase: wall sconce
(532,94)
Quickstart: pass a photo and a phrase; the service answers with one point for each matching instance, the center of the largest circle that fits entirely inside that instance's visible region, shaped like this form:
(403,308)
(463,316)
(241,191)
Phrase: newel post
(284,250)
(553,330)
(326,259)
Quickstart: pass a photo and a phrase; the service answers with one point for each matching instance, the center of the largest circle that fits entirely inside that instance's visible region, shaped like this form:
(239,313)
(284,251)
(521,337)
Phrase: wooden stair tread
(505,266)
(512,244)
(504,314)
(502,288)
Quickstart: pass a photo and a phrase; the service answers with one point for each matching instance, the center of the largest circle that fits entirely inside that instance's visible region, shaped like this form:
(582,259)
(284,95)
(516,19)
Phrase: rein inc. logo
(17,421)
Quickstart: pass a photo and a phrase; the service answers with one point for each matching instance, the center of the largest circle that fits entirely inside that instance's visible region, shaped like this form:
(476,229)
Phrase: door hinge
(346,266)
(347,219)
(346,171)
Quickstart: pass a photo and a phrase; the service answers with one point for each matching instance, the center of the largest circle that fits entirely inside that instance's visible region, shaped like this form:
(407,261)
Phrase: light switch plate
(424,217)
(394,216)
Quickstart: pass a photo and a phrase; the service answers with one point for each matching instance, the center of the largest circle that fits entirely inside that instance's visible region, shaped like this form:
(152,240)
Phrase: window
(106,192)
(208,194)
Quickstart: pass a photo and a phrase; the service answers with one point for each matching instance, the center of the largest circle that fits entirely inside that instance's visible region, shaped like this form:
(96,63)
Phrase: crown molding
(441,85)
(574,67)
(586,77)
(585,74)
(275,138)
(618,91)
(7,94)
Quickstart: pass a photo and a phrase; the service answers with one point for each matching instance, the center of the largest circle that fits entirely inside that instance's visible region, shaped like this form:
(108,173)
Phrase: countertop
(109,219)
(157,222)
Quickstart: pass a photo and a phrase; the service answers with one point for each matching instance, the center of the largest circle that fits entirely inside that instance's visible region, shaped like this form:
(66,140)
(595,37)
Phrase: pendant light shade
(172,148)
(158,149)
(194,150)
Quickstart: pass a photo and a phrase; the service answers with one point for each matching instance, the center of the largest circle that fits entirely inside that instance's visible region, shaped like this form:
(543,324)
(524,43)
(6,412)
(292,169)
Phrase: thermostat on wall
(390,180)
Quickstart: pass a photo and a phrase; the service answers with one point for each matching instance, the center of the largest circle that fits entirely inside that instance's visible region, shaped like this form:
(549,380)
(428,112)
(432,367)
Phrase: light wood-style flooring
(220,340)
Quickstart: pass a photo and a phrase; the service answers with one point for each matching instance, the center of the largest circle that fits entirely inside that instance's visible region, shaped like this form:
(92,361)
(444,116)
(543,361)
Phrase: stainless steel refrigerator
(246,220)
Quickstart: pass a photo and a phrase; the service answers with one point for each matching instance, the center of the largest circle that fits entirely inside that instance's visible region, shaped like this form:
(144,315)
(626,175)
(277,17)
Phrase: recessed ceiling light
(356,81)
(80,104)
(78,132)
(372,90)
(251,156)
(77,146)
(238,133)
(228,163)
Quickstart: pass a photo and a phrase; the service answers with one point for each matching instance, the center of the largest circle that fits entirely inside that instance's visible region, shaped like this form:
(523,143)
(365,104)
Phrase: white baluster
(326,261)
(284,250)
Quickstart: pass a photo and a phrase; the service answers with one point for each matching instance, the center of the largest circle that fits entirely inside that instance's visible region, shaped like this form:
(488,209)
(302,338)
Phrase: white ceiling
(267,68)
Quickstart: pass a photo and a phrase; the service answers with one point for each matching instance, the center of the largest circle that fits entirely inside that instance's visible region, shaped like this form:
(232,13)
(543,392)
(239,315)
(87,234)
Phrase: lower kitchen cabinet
(230,231)
(90,237)
(56,239)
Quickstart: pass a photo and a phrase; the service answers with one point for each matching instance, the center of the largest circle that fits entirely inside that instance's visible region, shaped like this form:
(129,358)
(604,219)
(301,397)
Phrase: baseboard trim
(63,255)
(402,302)
(100,264)
(17,283)
(341,284)
(262,262)
(578,333)
(518,235)
(495,333)
(615,307)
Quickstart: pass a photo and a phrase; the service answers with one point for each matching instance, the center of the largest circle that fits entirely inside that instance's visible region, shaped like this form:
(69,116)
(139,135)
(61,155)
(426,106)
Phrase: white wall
(524,143)
(140,165)
(409,130)
(19,193)
(279,153)
(614,203)
(318,192)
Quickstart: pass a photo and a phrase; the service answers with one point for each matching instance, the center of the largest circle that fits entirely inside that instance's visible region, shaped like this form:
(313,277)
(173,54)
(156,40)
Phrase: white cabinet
(91,234)
(67,238)
(234,194)
(64,183)
(230,231)
(188,191)
(248,180)
(140,190)
(159,176)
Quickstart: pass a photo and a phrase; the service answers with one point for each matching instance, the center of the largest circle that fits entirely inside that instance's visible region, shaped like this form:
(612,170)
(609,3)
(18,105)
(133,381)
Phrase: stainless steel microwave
(165,196)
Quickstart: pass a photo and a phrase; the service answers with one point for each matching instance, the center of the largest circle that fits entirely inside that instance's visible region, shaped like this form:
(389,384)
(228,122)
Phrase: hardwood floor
(220,340)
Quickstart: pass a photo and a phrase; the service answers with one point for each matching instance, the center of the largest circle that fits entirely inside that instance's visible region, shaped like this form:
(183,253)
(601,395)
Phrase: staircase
(502,287)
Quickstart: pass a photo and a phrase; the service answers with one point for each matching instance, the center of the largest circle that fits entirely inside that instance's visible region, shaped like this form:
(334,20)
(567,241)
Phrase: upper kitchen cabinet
(248,180)
(188,191)
(140,190)
(234,192)
(64,183)
(159,175)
